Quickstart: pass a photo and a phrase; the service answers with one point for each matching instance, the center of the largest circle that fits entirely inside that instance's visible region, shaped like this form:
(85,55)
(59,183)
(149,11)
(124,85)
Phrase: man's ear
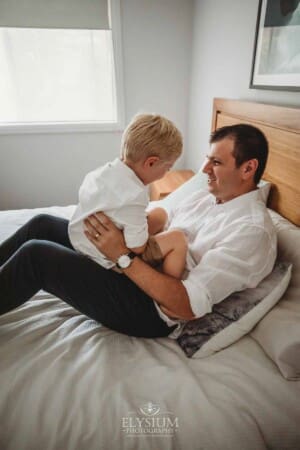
(249,168)
(150,161)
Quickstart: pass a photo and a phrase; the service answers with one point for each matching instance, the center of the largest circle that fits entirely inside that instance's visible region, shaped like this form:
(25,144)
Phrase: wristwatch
(124,261)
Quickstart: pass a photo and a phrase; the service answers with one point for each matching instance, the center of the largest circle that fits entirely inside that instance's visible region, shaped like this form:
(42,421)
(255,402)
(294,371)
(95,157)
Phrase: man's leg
(173,246)
(42,226)
(110,298)
(157,219)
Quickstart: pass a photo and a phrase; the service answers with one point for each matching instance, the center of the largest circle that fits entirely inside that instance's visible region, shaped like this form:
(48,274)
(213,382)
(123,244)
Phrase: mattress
(67,382)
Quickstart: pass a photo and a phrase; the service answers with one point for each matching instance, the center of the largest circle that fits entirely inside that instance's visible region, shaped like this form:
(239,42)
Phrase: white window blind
(74,14)
(59,75)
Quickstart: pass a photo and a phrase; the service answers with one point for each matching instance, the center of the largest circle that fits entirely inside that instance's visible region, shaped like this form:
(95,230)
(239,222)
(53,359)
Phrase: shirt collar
(130,173)
(241,200)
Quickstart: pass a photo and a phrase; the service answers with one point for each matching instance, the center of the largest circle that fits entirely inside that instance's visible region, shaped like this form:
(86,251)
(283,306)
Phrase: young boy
(150,146)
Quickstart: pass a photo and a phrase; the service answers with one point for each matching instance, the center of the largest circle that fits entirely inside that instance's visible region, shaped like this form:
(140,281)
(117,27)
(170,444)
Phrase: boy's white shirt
(117,191)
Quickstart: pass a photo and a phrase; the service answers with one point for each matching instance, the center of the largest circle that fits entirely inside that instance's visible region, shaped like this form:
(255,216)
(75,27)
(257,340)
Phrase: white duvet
(68,383)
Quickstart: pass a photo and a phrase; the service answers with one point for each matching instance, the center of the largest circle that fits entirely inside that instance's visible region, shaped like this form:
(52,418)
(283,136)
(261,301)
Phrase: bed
(67,382)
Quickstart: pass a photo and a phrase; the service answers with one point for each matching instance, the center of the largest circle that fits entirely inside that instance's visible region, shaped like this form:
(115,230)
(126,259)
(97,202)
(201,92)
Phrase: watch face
(124,261)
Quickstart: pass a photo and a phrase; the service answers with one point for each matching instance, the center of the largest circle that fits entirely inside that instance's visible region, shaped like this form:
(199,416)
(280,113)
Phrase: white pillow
(197,182)
(264,187)
(279,332)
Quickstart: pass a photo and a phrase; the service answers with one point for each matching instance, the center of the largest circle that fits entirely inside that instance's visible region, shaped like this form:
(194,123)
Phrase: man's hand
(104,234)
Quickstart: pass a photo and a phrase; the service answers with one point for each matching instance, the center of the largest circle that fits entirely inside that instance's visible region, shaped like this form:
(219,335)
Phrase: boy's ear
(150,161)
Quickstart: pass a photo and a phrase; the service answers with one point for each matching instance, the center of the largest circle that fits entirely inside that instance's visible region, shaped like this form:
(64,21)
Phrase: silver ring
(97,235)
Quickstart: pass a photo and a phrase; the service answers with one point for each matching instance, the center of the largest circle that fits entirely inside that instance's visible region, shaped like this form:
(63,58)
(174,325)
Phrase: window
(54,78)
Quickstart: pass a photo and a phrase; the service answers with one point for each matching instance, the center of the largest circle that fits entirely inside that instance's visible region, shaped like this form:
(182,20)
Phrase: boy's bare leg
(157,218)
(173,246)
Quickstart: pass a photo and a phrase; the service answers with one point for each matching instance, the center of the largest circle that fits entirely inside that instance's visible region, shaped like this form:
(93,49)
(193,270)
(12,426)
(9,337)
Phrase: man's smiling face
(225,180)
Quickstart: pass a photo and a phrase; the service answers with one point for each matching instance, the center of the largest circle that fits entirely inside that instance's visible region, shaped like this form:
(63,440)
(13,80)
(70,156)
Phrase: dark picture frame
(276,56)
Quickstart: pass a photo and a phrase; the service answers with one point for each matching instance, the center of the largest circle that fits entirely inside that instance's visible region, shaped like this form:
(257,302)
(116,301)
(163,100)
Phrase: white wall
(175,52)
(224,33)
(41,170)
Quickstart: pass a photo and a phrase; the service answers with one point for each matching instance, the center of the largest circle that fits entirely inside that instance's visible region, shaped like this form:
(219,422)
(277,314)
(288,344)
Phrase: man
(231,246)
(235,245)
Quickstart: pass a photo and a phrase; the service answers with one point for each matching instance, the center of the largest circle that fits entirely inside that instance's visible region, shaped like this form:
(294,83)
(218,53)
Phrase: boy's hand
(106,237)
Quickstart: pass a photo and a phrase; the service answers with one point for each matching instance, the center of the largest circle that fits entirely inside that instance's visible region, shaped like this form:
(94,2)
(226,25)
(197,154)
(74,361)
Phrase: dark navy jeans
(40,256)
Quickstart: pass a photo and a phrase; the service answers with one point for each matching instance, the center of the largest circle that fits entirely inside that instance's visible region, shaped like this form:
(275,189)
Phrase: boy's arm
(157,219)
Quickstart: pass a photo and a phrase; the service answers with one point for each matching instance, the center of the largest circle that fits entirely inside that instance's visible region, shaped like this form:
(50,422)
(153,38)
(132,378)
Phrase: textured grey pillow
(235,316)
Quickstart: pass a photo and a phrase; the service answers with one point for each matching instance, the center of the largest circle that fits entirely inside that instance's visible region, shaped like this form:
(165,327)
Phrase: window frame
(85,126)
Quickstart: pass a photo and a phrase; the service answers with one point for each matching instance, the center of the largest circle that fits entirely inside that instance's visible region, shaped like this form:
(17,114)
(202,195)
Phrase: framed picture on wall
(276,57)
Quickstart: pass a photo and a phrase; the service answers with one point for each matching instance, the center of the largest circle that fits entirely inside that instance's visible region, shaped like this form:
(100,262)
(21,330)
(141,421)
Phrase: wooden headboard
(281,127)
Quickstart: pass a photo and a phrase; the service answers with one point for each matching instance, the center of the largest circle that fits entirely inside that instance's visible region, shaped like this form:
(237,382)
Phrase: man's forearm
(166,290)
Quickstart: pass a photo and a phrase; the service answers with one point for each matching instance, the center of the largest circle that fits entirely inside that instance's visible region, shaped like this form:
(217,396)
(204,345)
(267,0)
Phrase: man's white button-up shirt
(231,246)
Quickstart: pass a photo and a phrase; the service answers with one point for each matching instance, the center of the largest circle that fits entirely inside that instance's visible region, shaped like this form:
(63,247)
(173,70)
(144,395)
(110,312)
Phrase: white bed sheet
(66,382)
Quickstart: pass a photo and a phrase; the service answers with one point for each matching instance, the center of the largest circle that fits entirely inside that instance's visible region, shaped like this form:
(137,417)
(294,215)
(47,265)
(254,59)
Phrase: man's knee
(178,238)
(35,249)
(40,220)
(39,258)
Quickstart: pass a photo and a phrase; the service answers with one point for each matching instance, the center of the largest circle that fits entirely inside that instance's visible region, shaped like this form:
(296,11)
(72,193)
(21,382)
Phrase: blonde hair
(151,135)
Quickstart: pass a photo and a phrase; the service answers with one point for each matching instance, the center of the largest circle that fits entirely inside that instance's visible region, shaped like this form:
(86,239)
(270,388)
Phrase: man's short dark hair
(249,143)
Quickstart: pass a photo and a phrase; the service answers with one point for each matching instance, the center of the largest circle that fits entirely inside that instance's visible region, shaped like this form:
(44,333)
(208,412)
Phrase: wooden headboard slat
(281,126)
(272,115)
